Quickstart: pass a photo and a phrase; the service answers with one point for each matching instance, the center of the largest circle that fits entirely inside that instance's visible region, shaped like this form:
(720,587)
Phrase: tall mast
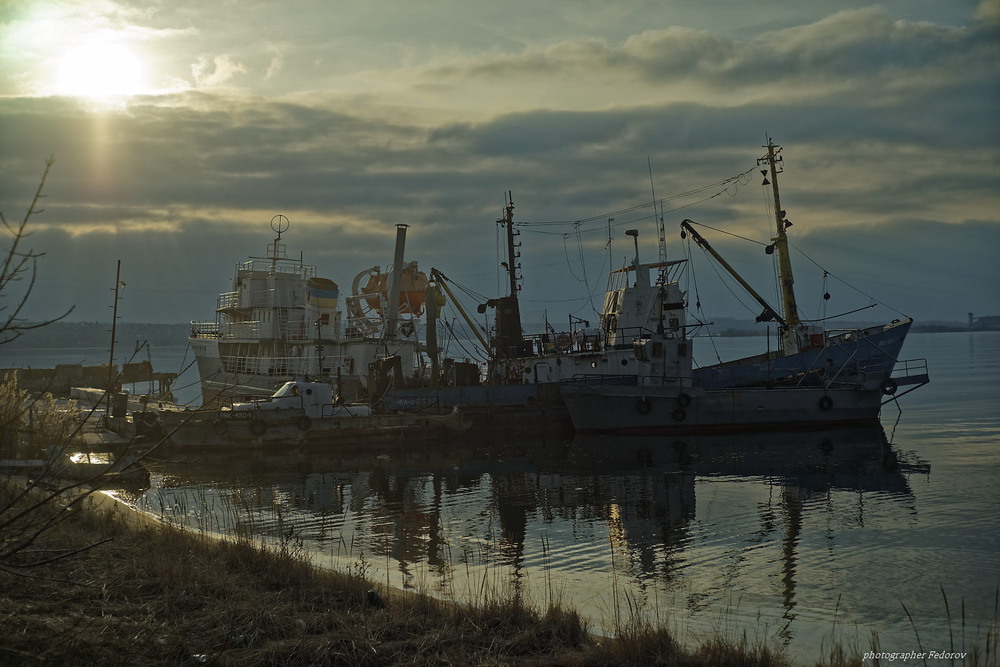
(112,383)
(512,254)
(780,245)
(509,337)
(658,221)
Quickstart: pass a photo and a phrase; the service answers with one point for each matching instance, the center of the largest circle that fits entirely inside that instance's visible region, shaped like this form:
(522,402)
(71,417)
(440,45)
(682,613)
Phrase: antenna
(657,219)
(279,224)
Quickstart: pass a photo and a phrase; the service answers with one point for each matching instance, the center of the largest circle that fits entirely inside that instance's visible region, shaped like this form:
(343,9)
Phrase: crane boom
(769,313)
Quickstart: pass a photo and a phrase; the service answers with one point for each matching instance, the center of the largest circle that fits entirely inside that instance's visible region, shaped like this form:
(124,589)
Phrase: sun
(100,69)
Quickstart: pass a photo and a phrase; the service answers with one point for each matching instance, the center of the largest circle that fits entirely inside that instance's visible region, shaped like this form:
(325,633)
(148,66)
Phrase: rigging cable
(841,280)
(694,279)
(569,264)
(458,341)
(826,295)
(608,220)
(586,281)
(728,233)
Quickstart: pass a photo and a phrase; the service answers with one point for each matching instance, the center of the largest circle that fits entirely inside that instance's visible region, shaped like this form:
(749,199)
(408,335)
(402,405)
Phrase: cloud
(864,52)
(277,60)
(988,11)
(886,123)
(218,71)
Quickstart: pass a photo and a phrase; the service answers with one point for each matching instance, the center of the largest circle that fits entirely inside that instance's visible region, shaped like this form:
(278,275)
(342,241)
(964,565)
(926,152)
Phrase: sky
(180,128)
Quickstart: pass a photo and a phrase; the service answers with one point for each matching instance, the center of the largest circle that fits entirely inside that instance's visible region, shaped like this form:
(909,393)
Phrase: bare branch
(17,263)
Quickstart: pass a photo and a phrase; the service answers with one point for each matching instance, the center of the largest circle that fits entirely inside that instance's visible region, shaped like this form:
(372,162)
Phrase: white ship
(281,320)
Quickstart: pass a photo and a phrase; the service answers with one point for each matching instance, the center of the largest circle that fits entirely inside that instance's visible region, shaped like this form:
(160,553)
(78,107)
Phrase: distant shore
(97,334)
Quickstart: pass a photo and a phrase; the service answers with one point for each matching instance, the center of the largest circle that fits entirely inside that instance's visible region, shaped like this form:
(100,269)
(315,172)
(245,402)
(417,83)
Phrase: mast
(512,254)
(509,337)
(786,281)
(276,251)
(658,220)
(112,383)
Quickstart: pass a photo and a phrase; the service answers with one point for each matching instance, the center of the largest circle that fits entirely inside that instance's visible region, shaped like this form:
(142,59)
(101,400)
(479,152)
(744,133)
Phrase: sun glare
(100,69)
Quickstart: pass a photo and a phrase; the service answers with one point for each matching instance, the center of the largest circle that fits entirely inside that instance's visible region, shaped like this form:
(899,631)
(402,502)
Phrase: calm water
(797,539)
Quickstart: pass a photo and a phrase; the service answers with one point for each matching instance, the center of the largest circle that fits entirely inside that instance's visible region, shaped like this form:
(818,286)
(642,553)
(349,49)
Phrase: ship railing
(269,367)
(281,265)
(551,343)
(287,367)
(625,337)
(232,301)
(204,330)
(914,369)
(911,372)
(592,339)
(249,329)
(296,330)
(228,301)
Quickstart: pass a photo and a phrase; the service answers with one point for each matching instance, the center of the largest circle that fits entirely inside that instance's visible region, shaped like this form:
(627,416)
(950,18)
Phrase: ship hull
(637,410)
(514,408)
(236,370)
(866,356)
(226,430)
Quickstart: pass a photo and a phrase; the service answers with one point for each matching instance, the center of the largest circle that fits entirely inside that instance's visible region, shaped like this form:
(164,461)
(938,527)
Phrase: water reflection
(702,516)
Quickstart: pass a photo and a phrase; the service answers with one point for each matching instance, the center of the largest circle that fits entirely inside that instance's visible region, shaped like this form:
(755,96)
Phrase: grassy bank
(133,591)
(150,594)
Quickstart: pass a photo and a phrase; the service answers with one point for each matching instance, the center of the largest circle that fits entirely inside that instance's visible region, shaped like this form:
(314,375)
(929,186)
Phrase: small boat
(299,413)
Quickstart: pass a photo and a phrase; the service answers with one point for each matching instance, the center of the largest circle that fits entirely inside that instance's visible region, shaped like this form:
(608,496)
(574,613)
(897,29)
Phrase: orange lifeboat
(412,290)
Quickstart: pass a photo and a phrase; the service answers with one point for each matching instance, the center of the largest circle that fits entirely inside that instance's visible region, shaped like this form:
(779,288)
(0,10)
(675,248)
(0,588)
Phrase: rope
(694,279)
(844,282)
(723,231)
(604,217)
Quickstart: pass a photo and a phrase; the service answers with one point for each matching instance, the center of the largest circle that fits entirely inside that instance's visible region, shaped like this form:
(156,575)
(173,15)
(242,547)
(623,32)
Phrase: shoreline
(156,594)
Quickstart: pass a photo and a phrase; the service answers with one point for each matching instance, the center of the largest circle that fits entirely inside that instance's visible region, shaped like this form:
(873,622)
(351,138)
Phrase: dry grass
(28,425)
(157,595)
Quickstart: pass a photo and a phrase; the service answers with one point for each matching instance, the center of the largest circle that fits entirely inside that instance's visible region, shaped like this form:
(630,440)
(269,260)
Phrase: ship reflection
(802,468)
(562,505)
